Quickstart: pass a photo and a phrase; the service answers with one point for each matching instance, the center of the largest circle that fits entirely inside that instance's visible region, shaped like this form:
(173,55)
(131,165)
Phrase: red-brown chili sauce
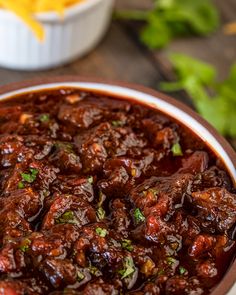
(104,196)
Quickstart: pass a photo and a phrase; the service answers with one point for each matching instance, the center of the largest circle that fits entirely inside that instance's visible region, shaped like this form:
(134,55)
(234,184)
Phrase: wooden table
(120,56)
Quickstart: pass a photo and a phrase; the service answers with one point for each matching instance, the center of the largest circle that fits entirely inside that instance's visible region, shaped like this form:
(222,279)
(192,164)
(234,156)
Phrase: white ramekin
(66,39)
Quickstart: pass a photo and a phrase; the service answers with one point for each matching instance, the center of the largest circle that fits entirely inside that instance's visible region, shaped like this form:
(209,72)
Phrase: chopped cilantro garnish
(21,185)
(30,176)
(182,270)
(80,276)
(101,213)
(90,179)
(102,232)
(67,217)
(170,260)
(138,215)
(24,247)
(117,123)
(44,118)
(128,268)
(127,245)
(95,271)
(177,150)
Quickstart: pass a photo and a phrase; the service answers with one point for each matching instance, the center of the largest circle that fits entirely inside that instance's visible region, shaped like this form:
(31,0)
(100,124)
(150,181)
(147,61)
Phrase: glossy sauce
(104,196)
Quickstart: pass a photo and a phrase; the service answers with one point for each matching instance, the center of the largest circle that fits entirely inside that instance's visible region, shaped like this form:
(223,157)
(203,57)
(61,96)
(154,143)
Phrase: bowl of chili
(110,187)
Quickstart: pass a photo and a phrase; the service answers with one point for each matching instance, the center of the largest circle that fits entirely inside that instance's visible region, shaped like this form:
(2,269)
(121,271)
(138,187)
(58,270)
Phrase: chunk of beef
(13,287)
(196,163)
(54,242)
(78,186)
(212,177)
(65,158)
(103,142)
(161,195)
(216,207)
(69,209)
(120,217)
(100,287)
(58,272)
(26,202)
(82,116)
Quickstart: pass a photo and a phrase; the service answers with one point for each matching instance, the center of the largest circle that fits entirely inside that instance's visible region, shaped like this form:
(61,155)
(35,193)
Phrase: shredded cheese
(26,9)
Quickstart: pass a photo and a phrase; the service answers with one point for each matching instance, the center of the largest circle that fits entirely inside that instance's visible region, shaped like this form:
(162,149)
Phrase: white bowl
(66,39)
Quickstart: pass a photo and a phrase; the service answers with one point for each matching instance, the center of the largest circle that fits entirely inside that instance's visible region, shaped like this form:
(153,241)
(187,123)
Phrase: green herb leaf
(182,270)
(127,245)
(44,118)
(128,268)
(80,276)
(198,80)
(102,232)
(117,123)
(174,18)
(101,213)
(30,176)
(67,217)
(171,260)
(176,150)
(24,247)
(21,185)
(90,179)
(95,271)
(138,215)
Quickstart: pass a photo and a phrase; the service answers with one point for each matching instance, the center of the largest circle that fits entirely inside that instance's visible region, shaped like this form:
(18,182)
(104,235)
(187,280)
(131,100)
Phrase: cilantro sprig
(214,100)
(169,19)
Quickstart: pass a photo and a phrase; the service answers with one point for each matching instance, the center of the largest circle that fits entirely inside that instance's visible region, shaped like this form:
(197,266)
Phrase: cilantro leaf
(67,217)
(30,176)
(90,179)
(215,101)
(127,245)
(177,150)
(138,215)
(94,271)
(24,247)
(182,270)
(102,232)
(21,185)
(173,18)
(44,118)
(80,276)
(101,213)
(117,123)
(128,268)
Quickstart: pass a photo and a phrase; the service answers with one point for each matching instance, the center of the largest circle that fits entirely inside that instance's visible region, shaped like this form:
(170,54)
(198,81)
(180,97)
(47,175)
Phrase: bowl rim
(228,280)
(51,16)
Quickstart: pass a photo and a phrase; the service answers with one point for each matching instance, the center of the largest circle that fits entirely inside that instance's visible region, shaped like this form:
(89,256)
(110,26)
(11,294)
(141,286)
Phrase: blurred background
(189,43)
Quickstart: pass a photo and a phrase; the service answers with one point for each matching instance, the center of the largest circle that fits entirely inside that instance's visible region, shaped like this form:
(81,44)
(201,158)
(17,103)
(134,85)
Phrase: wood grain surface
(120,56)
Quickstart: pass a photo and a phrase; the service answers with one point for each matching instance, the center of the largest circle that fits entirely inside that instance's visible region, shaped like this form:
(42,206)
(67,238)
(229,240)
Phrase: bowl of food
(110,188)
(43,34)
